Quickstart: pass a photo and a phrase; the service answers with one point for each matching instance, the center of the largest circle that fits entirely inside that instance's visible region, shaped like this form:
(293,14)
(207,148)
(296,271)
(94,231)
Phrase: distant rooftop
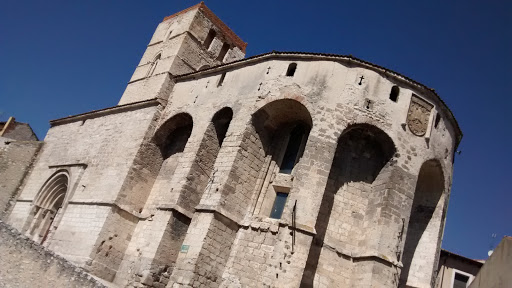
(17,130)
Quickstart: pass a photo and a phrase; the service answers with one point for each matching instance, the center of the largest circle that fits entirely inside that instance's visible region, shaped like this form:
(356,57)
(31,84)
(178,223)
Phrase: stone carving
(418,115)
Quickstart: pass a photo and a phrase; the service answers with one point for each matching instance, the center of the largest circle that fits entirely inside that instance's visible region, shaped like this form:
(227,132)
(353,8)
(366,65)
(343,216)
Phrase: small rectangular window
(460,281)
(393,95)
(292,150)
(291,69)
(277,209)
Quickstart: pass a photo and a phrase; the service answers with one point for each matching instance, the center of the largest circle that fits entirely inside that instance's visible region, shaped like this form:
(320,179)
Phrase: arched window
(153,65)
(48,203)
(291,69)
(393,95)
(169,34)
(281,131)
(291,153)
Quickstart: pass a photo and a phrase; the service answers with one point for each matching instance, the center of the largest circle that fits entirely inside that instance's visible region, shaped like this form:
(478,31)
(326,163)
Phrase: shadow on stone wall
(362,152)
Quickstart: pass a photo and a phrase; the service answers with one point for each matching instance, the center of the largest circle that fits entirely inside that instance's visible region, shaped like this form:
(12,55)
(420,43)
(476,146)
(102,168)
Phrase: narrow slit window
(223,52)
(278,208)
(209,39)
(292,150)
(291,69)
(393,96)
(221,79)
(169,35)
(438,119)
(153,65)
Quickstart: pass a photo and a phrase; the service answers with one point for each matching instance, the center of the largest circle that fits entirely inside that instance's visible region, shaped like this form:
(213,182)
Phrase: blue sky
(60,58)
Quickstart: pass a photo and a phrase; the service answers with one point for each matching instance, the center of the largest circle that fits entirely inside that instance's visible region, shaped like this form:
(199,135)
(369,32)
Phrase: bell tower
(184,42)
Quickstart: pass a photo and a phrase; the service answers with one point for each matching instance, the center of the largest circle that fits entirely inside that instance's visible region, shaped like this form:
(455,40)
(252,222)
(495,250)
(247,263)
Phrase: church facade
(284,169)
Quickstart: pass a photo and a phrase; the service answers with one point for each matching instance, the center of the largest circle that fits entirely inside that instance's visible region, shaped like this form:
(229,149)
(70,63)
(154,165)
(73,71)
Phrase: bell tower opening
(195,29)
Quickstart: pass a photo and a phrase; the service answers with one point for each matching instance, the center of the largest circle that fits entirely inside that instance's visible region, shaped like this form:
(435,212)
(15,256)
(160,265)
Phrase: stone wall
(205,251)
(16,158)
(98,153)
(365,229)
(496,271)
(26,264)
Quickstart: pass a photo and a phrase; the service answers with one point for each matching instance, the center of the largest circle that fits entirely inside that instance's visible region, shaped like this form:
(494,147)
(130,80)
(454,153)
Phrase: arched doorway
(48,205)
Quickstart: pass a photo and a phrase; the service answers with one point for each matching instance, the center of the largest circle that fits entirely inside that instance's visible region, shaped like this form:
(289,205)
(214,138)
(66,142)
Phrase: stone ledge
(106,111)
(362,256)
(177,208)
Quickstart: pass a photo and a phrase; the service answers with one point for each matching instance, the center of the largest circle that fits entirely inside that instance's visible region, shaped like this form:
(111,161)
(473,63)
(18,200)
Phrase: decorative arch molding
(374,129)
(368,122)
(285,96)
(174,122)
(204,67)
(48,206)
(282,110)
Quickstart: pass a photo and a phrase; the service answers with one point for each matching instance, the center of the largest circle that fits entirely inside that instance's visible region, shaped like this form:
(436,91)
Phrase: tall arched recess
(47,207)
(170,140)
(275,135)
(194,180)
(204,160)
(424,226)
(262,170)
(363,153)
(282,127)
(162,160)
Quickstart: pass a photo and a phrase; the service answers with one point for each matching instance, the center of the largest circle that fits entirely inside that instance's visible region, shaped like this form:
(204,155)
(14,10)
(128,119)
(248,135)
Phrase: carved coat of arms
(419,115)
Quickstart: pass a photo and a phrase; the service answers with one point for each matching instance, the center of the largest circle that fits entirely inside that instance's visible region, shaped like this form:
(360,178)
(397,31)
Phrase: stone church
(285,169)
